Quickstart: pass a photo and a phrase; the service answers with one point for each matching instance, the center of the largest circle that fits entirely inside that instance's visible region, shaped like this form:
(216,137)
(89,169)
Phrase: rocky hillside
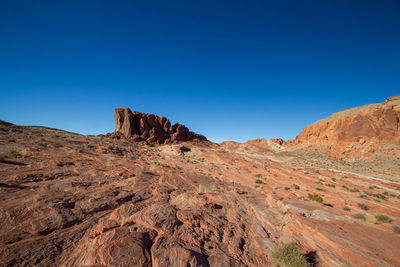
(363,131)
(73,200)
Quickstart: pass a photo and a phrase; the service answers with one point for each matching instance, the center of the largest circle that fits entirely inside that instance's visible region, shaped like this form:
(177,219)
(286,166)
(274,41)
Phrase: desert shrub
(380,196)
(355,190)
(258,175)
(383,218)
(315,197)
(371,219)
(398,196)
(363,196)
(319,189)
(295,186)
(88,146)
(131,156)
(286,188)
(363,206)
(333,179)
(345,208)
(360,216)
(289,255)
(317,171)
(17,182)
(396,229)
(16,154)
(275,175)
(258,181)
(330,185)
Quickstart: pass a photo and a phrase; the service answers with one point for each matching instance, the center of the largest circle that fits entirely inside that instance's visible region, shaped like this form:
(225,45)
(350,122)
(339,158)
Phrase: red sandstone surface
(73,200)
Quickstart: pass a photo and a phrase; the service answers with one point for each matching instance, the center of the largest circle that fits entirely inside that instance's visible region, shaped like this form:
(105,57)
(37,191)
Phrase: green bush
(396,229)
(383,218)
(380,196)
(259,181)
(295,186)
(315,197)
(289,255)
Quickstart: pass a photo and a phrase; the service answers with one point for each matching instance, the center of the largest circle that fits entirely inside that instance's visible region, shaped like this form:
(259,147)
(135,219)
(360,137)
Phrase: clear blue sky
(231,70)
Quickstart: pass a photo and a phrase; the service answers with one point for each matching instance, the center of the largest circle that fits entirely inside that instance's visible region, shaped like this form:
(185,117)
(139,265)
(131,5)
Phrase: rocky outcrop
(355,131)
(141,127)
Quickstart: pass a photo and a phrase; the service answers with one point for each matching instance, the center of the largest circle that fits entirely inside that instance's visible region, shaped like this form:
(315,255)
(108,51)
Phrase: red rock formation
(135,126)
(354,131)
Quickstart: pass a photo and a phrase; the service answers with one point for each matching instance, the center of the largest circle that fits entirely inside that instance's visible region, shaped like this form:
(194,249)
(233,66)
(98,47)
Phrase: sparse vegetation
(289,255)
(363,206)
(42,144)
(360,216)
(17,182)
(345,208)
(396,229)
(131,156)
(319,189)
(380,196)
(16,154)
(315,197)
(259,181)
(383,218)
(295,186)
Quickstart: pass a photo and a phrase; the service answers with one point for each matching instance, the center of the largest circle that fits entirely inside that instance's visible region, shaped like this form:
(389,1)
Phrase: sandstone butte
(148,128)
(152,194)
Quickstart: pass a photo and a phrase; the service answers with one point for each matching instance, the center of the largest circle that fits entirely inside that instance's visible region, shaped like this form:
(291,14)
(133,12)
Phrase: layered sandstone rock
(135,126)
(355,131)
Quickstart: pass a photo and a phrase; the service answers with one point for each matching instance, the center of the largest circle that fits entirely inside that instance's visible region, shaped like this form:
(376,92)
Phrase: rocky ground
(73,200)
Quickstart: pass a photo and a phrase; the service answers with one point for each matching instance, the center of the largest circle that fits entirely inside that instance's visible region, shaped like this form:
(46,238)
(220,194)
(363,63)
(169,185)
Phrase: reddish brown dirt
(72,200)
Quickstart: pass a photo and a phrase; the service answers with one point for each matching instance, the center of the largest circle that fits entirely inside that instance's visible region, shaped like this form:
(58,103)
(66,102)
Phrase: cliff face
(135,126)
(355,131)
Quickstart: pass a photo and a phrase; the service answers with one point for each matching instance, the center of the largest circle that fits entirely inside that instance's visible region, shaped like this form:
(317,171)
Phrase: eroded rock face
(355,131)
(135,126)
